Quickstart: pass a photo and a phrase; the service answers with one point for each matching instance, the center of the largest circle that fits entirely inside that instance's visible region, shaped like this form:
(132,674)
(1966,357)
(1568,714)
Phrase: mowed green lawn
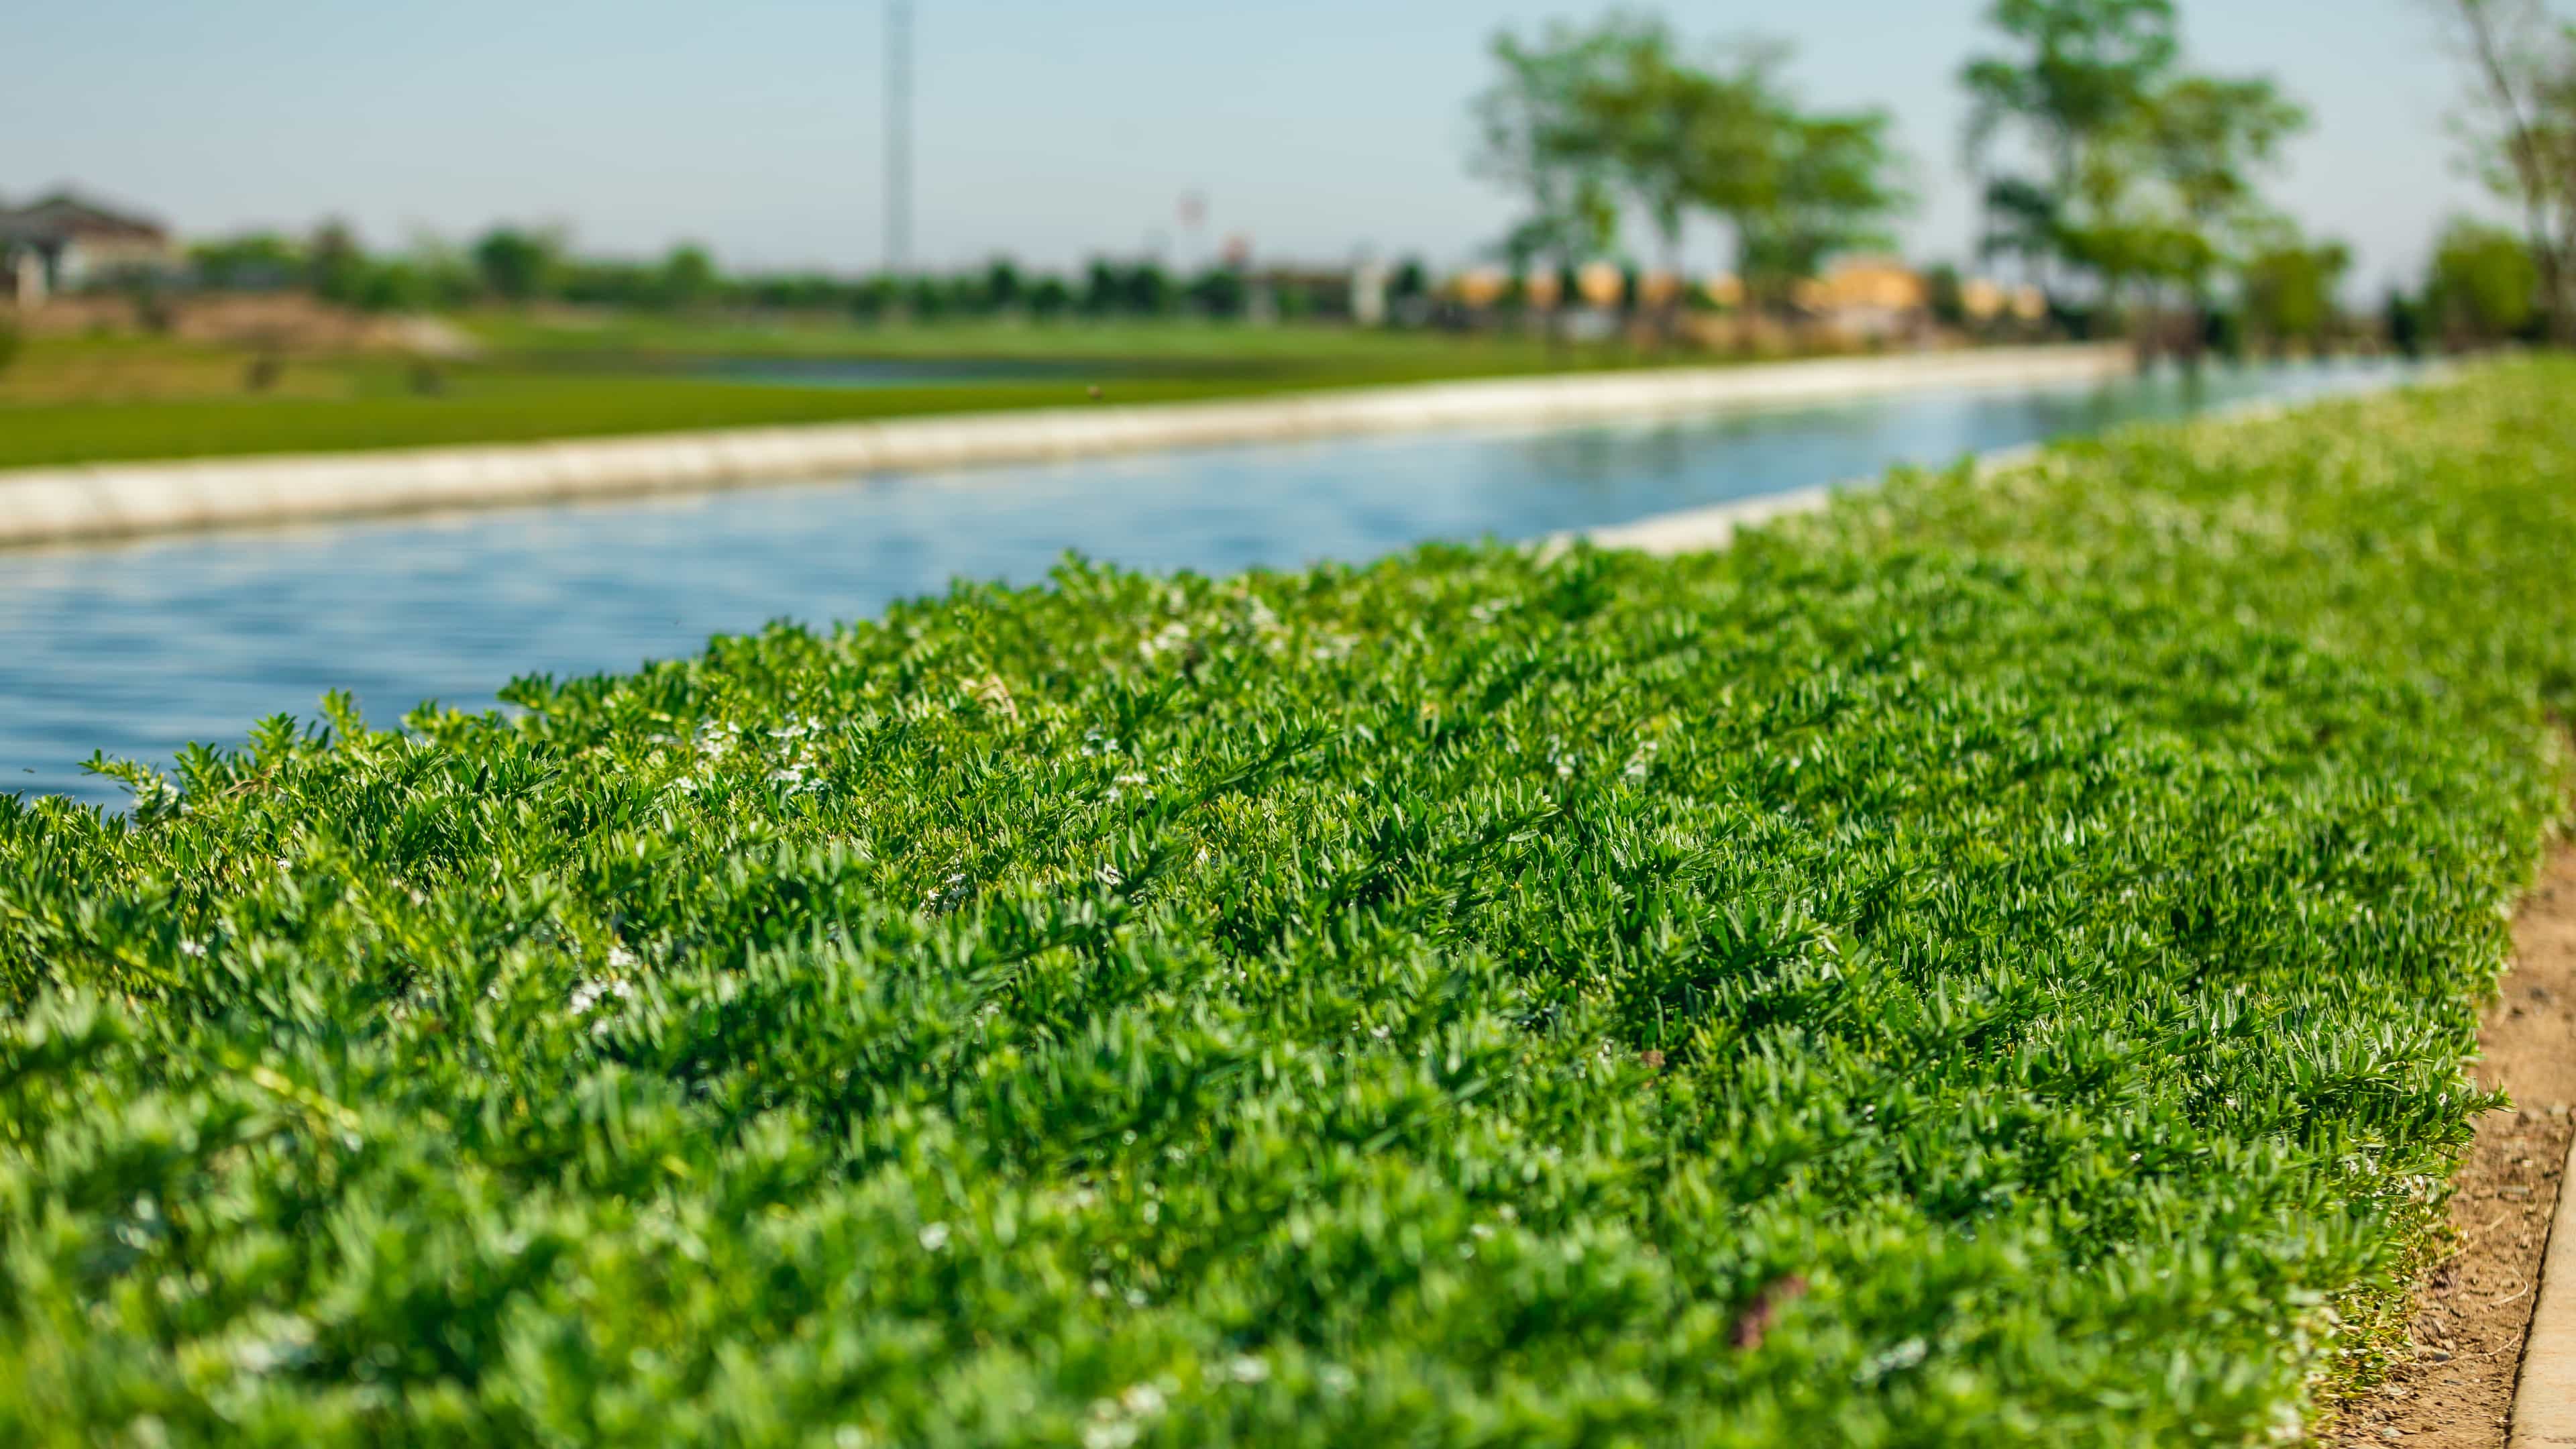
(104,399)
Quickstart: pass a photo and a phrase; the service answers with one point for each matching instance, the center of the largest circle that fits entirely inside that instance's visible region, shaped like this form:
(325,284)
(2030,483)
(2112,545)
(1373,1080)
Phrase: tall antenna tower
(898,161)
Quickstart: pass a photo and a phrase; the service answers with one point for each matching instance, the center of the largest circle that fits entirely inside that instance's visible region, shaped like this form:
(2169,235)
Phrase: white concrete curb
(54,505)
(1715,526)
(2544,1395)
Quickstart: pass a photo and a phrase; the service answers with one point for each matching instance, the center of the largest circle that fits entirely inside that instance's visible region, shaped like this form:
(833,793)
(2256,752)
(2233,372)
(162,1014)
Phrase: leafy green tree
(1051,297)
(1679,137)
(1218,292)
(1147,290)
(2072,73)
(2402,319)
(870,300)
(2206,138)
(1541,131)
(1833,189)
(1688,138)
(2289,285)
(2485,286)
(687,278)
(1003,288)
(515,264)
(2521,133)
(1103,291)
(924,299)
(2147,178)
(1945,295)
(252,261)
(334,265)
(393,284)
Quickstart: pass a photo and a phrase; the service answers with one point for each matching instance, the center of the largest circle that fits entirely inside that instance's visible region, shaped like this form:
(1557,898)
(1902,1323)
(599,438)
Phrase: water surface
(138,648)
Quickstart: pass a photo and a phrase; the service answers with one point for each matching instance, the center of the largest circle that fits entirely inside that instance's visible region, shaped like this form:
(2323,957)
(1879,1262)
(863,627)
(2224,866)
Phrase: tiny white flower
(588,994)
(192,948)
(1142,1400)
(1109,1433)
(934,1236)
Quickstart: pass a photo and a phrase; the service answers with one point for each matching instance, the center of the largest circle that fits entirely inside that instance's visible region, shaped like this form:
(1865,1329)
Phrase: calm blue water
(136,649)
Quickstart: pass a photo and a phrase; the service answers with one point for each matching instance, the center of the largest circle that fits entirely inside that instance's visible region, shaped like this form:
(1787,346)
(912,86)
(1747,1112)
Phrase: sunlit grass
(81,400)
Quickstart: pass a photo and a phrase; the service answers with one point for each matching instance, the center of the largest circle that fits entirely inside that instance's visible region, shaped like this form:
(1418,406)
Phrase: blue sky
(1050,131)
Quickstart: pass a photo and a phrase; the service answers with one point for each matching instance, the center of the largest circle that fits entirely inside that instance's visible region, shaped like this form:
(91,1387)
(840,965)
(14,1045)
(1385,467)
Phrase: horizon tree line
(2126,183)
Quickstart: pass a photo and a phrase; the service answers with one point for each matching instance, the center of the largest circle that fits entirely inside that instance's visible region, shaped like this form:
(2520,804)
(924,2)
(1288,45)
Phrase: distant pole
(898,171)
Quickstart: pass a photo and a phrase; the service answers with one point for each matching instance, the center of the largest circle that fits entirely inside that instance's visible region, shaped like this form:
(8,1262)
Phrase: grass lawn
(1989,965)
(76,400)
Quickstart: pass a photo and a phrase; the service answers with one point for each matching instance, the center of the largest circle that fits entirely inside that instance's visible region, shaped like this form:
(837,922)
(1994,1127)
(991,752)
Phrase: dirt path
(2457,1390)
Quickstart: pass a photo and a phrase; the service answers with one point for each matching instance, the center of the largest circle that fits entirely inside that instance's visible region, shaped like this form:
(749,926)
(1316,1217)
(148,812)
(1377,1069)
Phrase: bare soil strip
(2456,1390)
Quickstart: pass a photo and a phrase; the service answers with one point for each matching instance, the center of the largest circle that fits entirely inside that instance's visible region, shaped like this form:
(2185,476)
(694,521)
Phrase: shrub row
(1988,966)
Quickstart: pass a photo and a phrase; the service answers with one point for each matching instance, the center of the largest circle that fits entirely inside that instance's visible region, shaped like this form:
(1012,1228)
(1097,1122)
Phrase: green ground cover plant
(1990,965)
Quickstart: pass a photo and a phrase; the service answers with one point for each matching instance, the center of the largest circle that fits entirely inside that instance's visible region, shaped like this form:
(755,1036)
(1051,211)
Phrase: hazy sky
(1048,130)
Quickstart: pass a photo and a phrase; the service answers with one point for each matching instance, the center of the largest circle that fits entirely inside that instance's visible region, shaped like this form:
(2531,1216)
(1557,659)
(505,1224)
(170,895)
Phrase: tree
(1147,290)
(251,261)
(2147,173)
(1218,292)
(2485,285)
(2289,286)
(334,265)
(1102,290)
(517,265)
(1002,286)
(871,299)
(2204,139)
(1832,189)
(1679,137)
(924,300)
(2074,72)
(2522,133)
(1689,139)
(688,277)
(1588,118)
(1541,132)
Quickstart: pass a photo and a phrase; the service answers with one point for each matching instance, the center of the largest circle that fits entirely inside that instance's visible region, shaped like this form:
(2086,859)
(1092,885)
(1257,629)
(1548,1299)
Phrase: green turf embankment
(1990,965)
(101,400)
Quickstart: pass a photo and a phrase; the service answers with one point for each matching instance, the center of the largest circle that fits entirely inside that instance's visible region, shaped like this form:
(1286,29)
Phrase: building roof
(65,216)
(1866,282)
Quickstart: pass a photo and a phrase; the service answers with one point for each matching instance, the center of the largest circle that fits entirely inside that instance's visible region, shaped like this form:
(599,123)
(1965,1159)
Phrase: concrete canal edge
(1715,526)
(100,501)
(2544,1396)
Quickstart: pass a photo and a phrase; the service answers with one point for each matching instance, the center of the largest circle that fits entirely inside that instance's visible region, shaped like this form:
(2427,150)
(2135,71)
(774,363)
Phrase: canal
(136,649)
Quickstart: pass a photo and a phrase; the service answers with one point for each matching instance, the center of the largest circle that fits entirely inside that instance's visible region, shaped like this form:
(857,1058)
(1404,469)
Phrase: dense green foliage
(1989,966)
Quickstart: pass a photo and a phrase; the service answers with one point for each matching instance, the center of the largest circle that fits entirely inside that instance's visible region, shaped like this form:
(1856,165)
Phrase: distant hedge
(1989,966)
